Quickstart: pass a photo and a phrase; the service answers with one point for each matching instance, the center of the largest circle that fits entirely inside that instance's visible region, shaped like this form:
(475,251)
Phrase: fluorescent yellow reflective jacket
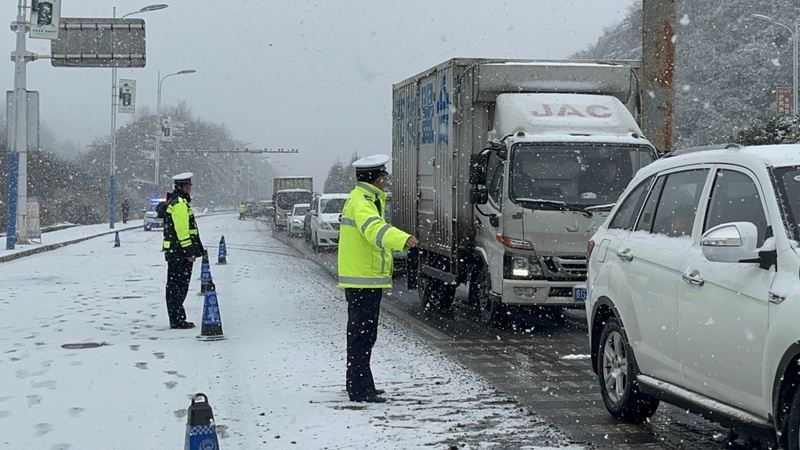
(366,241)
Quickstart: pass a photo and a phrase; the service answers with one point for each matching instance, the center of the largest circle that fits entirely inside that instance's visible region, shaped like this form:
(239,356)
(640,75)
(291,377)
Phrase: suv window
(625,217)
(675,201)
(787,185)
(735,198)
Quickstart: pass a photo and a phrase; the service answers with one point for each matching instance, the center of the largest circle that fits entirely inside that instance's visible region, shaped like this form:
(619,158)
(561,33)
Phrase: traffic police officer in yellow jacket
(182,246)
(366,242)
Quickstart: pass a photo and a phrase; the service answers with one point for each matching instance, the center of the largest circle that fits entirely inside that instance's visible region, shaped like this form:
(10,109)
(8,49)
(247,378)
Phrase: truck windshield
(578,175)
(285,200)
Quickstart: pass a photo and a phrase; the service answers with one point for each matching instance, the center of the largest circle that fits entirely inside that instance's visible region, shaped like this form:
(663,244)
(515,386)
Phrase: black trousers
(179,274)
(363,309)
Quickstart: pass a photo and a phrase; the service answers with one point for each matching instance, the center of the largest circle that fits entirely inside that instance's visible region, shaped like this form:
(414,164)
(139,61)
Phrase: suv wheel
(793,429)
(617,373)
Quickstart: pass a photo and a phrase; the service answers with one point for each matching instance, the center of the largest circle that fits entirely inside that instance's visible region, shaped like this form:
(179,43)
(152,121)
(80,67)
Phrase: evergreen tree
(775,130)
(728,65)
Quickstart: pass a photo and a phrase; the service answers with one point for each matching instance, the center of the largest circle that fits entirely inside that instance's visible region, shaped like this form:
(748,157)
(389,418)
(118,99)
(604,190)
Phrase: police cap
(376,163)
(183,178)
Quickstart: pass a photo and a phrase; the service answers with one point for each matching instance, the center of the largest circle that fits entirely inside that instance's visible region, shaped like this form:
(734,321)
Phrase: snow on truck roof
(563,114)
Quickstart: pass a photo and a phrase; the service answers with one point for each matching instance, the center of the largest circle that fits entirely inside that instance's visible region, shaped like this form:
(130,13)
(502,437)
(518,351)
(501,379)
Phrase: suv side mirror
(730,242)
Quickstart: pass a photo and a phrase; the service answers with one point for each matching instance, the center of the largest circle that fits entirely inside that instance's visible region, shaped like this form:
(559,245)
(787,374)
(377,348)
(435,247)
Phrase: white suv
(694,291)
(324,225)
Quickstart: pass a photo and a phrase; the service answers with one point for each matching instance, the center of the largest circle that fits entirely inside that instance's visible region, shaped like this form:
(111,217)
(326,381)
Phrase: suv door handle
(692,276)
(625,255)
(775,298)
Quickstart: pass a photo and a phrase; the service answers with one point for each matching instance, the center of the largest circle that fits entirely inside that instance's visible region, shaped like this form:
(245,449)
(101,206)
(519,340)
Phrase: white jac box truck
(505,168)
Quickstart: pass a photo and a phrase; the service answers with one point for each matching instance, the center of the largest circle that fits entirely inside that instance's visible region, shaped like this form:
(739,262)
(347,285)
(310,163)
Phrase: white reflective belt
(346,221)
(360,280)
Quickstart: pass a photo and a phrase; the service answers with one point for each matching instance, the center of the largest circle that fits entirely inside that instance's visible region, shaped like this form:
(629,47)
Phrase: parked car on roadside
(294,220)
(693,291)
(307,219)
(324,220)
(268,208)
(150,217)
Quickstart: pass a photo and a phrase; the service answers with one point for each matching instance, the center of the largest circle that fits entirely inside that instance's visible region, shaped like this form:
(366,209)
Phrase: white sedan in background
(294,221)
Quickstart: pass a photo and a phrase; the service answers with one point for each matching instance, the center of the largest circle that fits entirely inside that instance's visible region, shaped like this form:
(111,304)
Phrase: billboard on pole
(127,96)
(45,18)
(91,42)
(784,100)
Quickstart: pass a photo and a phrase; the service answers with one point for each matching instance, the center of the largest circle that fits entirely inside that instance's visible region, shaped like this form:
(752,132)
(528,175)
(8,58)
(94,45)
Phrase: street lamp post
(113,159)
(158,121)
(794,33)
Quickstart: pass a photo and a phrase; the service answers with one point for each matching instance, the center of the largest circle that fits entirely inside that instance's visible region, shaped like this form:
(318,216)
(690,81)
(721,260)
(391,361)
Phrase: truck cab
(504,170)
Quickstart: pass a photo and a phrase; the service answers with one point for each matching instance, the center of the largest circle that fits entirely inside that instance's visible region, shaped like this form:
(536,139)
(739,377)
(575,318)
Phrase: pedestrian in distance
(126,208)
(182,246)
(242,210)
(365,268)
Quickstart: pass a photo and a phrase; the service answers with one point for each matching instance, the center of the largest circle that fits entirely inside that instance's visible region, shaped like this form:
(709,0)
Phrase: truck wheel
(435,294)
(616,372)
(490,311)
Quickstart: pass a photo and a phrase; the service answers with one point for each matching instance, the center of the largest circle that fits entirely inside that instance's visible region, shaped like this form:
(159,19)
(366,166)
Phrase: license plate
(579,294)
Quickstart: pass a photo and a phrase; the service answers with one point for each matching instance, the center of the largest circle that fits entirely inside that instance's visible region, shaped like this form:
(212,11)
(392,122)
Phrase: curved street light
(794,33)
(113,157)
(158,121)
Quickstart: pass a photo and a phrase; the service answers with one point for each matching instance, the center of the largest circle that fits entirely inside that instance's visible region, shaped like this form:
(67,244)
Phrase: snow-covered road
(88,361)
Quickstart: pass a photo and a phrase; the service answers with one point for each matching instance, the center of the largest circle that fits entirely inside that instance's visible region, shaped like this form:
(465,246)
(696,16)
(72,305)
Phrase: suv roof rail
(683,151)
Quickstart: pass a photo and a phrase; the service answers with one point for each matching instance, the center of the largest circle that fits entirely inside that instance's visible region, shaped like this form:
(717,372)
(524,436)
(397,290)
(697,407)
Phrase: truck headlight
(521,267)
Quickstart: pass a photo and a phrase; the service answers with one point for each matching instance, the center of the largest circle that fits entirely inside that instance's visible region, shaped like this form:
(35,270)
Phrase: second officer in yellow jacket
(365,268)
(182,246)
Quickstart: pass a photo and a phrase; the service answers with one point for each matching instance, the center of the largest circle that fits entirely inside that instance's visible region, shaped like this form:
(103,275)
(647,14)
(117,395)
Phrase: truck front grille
(570,266)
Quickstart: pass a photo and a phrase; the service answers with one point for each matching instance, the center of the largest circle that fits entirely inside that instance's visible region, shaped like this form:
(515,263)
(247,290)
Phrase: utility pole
(18,161)
(658,69)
